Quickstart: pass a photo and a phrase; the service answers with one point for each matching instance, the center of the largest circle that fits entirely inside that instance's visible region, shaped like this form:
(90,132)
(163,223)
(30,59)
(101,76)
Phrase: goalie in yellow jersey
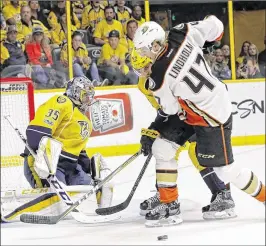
(63,118)
(165,138)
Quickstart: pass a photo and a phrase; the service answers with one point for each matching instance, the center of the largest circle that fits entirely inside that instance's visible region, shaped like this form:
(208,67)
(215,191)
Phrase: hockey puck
(163,237)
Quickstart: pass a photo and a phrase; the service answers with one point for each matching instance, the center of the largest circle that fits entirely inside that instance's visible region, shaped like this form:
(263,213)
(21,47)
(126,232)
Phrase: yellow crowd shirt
(91,17)
(108,53)
(123,17)
(53,21)
(65,122)
(103,28)
(10,11)
(81,52)
(25,30)
(58,35)
(140,22)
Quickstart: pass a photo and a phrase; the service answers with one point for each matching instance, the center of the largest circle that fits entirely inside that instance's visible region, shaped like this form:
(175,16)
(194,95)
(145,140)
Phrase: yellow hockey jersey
(59,118)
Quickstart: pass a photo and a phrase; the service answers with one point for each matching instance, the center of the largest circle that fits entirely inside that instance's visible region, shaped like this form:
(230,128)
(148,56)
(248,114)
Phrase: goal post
(17,101)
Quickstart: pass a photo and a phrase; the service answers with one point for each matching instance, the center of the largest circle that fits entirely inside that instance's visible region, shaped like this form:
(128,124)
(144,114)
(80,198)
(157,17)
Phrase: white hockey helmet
(148,33)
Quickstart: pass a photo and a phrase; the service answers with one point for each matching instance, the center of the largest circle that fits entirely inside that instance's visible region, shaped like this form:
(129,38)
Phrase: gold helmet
(137,61)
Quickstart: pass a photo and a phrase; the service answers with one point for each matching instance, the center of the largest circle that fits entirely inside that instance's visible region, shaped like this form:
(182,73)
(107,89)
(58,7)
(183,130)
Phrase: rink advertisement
(111,114)
(122,112)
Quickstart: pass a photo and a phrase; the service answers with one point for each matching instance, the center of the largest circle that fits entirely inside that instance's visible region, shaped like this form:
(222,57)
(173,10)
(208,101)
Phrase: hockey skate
(165,214)
(221,207)
(149,204)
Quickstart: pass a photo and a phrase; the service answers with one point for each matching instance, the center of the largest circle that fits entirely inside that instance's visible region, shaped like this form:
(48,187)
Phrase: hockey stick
(124,205)
(53,181)
(39,219)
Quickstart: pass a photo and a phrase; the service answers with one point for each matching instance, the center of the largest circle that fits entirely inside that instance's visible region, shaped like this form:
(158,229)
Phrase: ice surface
(248,228)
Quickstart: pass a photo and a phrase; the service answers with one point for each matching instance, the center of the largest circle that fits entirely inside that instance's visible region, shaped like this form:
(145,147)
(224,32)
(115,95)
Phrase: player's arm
(47,118)
(209,30)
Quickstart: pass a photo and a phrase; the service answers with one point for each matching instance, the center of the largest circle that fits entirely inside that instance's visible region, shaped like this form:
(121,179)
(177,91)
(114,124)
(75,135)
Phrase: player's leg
(168,210)
(214,149)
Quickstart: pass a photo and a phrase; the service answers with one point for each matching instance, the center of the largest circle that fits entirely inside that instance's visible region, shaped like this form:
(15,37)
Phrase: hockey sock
(212,181)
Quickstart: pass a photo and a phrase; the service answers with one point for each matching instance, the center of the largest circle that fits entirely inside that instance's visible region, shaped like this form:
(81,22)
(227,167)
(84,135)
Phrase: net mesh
(15,103)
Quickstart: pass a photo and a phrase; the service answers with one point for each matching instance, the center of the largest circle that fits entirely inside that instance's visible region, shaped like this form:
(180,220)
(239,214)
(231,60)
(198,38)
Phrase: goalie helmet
(81,91)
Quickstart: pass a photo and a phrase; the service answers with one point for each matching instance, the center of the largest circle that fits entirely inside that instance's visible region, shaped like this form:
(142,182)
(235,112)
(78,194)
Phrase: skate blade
(170,221)
(226,214)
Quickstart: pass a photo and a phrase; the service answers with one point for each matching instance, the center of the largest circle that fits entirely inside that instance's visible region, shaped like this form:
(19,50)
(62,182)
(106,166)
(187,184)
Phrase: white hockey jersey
(182,77)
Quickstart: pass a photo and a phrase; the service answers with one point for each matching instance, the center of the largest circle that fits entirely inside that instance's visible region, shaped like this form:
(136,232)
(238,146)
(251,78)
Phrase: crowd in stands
(34,43)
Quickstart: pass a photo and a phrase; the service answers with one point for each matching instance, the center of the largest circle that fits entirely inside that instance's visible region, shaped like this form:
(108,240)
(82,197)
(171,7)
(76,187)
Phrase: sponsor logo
(111,114)
(206,156)
(144,29)
(61,99)
(48,122)
(107,114)
(248,107)
(84,129)
(96,53)
(35,191)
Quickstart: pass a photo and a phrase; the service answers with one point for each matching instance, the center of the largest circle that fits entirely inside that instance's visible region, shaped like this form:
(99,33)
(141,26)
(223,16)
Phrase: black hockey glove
(147,139)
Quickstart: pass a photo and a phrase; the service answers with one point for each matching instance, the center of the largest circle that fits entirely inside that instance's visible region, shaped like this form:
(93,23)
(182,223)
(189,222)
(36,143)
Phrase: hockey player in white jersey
(181,80)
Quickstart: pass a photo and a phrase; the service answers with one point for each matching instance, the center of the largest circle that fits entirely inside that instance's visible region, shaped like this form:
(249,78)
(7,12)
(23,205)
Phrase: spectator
(112,62)
(82,63)
(253,62)
(219,68)
(92,15)
(14,62)
(78,7)
(39,55)
(37,13)
(243,54)
(28,23)
(132,26)
(57,11)
(59,34)
(123,13)
(226,53)
(3,28)
(262,59)
(103,28)
(11,12)
(137,14)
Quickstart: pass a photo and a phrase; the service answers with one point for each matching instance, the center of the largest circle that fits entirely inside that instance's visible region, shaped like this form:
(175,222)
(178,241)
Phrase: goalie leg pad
(30,174)
(105,194)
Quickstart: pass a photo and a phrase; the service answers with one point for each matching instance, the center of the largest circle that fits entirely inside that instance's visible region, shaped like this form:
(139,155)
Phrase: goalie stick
(40,219)
(119,207)
(53,181)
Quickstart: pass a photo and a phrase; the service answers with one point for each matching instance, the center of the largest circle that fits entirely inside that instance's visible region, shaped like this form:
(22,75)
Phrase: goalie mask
(81,91)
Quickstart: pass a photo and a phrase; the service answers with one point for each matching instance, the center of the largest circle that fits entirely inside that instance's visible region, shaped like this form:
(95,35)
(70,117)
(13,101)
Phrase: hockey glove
(147,139)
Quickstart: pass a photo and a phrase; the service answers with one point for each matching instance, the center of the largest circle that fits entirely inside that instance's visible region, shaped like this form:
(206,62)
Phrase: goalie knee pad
(105,194)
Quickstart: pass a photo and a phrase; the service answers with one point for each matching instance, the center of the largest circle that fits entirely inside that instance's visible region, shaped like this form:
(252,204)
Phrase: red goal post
(17,101)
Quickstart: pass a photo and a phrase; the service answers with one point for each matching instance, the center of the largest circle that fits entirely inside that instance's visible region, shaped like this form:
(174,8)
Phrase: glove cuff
(149,133)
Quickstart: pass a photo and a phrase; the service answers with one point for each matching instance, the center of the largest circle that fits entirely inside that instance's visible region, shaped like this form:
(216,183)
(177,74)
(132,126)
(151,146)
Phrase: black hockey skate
(149,204)
(221,207)
(165,214)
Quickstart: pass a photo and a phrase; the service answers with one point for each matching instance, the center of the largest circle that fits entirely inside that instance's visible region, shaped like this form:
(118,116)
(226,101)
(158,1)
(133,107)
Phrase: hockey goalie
(57,137)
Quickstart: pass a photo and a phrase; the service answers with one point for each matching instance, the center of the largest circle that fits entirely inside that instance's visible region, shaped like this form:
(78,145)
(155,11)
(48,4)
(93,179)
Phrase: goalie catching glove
(147,139)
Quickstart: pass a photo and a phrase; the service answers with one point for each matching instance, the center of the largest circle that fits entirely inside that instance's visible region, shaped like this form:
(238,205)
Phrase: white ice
(247,229)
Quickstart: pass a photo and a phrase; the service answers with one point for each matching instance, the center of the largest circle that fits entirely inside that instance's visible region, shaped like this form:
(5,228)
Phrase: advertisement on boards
(112,113)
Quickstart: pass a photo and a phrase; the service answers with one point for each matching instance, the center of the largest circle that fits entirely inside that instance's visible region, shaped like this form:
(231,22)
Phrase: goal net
(17,101)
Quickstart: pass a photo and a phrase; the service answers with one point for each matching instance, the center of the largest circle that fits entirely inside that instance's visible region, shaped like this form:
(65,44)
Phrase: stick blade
(111,210)
(38,219)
